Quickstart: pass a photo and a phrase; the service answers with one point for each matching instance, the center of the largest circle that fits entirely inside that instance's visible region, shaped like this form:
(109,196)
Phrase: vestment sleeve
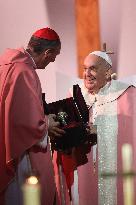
(25,123)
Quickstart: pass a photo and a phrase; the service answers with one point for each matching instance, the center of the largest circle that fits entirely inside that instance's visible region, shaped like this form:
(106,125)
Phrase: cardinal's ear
(48,52)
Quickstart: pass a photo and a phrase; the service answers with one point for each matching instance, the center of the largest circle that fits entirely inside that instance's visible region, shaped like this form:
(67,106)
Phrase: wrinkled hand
(54,129)
(91,133)
(91,129)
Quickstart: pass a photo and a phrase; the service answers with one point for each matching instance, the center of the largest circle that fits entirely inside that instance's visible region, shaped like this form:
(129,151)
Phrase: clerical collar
(31,58)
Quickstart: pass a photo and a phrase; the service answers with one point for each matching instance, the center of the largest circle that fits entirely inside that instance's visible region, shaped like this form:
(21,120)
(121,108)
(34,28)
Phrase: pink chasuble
(114,113)
(22,121)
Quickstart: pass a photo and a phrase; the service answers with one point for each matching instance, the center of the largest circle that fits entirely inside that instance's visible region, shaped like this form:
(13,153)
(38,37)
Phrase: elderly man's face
(95,74)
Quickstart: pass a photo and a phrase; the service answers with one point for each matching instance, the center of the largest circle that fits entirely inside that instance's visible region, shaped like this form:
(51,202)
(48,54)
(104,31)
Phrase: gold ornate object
(62,117)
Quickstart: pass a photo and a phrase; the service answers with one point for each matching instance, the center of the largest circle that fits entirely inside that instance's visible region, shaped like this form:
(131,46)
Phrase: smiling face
(96,73)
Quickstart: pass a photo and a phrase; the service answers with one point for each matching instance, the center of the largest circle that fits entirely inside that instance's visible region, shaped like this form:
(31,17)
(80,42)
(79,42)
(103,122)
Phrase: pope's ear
(108,74)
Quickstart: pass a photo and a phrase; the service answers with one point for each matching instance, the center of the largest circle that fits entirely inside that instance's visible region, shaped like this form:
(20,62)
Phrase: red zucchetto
(46,33)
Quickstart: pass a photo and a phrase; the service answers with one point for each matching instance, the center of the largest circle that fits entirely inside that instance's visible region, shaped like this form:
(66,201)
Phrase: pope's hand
(91,129)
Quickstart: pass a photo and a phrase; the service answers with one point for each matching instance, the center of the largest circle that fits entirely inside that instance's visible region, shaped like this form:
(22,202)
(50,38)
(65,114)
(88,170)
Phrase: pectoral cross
(104,49)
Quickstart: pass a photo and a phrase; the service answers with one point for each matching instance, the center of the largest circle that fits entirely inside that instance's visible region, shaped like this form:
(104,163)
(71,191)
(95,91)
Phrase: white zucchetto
(103,55)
